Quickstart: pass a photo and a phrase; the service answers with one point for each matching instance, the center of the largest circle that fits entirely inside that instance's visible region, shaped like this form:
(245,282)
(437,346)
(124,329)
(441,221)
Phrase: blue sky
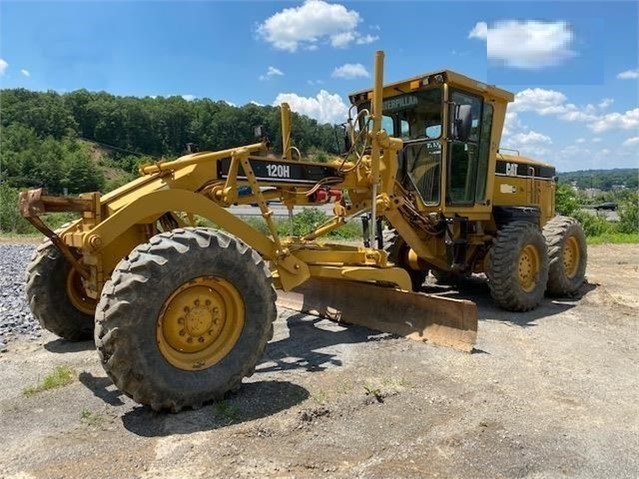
(574,66)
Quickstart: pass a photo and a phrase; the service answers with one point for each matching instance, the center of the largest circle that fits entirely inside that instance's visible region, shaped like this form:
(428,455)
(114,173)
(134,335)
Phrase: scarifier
(181,313)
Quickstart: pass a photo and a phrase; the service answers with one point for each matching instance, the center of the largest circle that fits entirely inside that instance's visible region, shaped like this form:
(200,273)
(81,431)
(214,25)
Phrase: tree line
(604,180)
(41,133)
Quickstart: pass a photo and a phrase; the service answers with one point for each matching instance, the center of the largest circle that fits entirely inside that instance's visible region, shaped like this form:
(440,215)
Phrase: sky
(572,65)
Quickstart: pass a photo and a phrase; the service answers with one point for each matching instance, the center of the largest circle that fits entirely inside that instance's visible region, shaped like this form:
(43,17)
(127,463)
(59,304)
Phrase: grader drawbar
(181,313)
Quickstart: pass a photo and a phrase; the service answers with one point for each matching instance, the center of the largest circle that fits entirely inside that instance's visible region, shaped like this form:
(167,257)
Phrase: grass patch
(613,238)
(320,397)
(225,411)
(91,418)
(61,376)
(374,391)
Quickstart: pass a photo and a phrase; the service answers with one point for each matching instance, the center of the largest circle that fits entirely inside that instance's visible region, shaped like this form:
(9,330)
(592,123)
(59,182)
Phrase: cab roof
(438,77)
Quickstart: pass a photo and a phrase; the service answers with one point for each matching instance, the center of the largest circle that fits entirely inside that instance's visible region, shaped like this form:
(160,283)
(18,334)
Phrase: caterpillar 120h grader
(180,313)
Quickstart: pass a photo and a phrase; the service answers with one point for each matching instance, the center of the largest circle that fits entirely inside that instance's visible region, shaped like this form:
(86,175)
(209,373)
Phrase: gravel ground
(549,393)
(15,318)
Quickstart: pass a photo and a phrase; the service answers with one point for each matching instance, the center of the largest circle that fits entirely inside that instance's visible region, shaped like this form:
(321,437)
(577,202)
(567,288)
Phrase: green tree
(10,218)
(566,200)
(629,213)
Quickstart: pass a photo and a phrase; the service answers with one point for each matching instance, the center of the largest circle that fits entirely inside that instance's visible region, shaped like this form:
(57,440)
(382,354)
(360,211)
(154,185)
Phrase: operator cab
(447,123)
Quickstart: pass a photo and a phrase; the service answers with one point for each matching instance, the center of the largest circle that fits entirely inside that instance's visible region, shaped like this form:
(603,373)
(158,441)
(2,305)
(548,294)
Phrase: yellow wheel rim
(571,257)
(528,268)
(200,323)
(78,296)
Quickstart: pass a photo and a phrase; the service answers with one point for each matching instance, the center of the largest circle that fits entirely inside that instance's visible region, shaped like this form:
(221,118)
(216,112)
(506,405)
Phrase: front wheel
(185,318)
(518,267)
(568,255)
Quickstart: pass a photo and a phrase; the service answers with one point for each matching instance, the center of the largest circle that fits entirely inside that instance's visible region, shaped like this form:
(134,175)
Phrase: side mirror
(259,132)
(348,137)
(462,122)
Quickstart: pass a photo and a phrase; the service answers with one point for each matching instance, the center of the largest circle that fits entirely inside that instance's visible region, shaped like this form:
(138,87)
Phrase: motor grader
(181,313)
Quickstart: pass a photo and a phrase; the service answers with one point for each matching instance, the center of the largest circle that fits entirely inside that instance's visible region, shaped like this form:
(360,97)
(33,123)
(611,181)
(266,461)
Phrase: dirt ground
(550,393)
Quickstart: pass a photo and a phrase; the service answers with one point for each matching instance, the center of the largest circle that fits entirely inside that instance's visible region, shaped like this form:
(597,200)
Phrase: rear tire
(397,250)
(567,255)
(184,318)
(518,267)
(50,283)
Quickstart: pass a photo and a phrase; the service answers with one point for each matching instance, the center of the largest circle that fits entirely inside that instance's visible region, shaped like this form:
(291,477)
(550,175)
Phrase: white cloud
(544,102)
(580,140)
(512,124)
(605,103)
(629,74)
(324,107)
(527,44)
(480,31)
(229,103)
(625,121)
(3,66)
(189,97)
(342,40)
(351,70)
(596,140)
(530,138)
(315,82)
(366,39)
(25,73)
(631,141)
(270,73)
(552,102)
(253,102)
(312,22)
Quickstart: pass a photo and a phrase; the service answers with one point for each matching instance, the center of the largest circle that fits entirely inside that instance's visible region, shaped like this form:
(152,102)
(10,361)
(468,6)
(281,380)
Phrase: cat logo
(511,169)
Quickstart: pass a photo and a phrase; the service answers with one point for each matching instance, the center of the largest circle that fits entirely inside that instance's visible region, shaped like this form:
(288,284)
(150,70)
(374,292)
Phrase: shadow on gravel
(254,400)
(476,290)
(98,386)
(300,349)
(64,346)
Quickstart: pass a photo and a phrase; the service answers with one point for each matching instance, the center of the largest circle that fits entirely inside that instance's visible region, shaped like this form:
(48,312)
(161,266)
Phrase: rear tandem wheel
(567,253)
(518,267)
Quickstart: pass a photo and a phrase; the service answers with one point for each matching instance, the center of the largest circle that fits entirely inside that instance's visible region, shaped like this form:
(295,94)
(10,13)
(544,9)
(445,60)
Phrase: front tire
(518,267)
(567,254)
(185,318)
(56,297)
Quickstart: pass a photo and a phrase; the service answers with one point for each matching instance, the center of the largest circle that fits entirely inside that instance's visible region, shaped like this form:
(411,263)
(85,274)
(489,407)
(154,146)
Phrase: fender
(159,202)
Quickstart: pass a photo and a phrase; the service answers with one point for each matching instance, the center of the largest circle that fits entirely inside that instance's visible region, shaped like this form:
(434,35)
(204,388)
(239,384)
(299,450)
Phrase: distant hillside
(602,179)
(84,141)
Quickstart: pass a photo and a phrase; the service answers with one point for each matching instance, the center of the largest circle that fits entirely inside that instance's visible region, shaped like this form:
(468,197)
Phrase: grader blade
(422,317)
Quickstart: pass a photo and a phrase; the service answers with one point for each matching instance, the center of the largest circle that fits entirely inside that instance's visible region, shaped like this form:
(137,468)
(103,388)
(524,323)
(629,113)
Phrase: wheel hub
(528,268)
(571,257)
(200,323)
(77,295)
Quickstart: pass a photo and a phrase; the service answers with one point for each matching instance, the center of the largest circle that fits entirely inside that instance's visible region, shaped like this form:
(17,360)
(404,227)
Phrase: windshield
(412,116)
(417,119)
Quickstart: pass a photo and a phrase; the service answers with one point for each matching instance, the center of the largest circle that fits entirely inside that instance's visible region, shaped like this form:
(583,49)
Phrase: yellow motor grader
(181,313)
